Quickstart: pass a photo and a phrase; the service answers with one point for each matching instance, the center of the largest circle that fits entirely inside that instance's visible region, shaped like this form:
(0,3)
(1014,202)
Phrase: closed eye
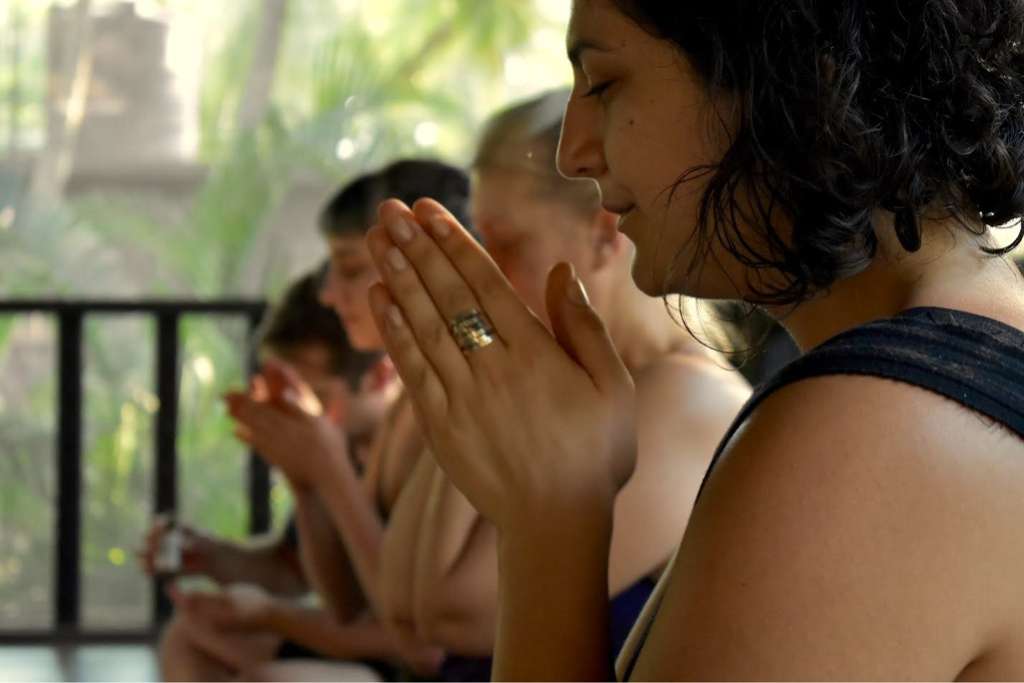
(596,90)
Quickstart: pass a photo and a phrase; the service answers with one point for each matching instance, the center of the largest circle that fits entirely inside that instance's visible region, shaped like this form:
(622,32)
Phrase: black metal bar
(167,390)
(70,314)
(77,637)
(69,470)
(259,472)
(227,306)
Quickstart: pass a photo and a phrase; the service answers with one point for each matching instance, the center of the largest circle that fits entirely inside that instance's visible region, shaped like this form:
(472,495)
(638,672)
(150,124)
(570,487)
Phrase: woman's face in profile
(350,274)
(638,118)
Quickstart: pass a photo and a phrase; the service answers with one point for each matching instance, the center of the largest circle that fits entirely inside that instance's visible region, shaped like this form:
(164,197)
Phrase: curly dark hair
(849,106)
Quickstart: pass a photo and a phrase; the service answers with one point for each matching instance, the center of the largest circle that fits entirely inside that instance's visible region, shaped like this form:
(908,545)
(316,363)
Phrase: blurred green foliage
(357,84)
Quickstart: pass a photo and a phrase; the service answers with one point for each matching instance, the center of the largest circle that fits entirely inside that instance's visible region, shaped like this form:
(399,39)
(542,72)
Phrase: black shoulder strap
(975,361)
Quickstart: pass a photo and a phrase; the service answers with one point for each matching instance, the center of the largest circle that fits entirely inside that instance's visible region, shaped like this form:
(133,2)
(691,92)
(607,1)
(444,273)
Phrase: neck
(949,271)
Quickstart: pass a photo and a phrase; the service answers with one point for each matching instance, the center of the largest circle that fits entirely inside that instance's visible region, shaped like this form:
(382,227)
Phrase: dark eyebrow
(578,46)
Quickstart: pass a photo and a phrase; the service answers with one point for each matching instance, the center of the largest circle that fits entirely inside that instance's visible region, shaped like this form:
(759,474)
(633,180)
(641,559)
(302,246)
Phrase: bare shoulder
(908,433)
(684,405)
(691,383)
(855,527)
(863,447)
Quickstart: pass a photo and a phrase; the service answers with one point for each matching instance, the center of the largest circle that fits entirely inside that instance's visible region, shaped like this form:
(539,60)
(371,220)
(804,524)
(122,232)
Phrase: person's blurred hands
(280,418)
(278,383)
(244,607)
(199,553)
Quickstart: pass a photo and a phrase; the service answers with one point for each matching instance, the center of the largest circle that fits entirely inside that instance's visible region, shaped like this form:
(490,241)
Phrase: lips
(623,216)
(621,209)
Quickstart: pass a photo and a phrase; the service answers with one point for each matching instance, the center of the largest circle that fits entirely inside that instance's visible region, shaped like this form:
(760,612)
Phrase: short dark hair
(299,319)
(354,208)
(847,107)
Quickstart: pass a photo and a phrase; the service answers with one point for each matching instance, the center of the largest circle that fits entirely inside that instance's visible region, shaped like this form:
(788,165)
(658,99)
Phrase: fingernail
(440,226)
(400,230)
(397,259)
(395,316)
(577,293)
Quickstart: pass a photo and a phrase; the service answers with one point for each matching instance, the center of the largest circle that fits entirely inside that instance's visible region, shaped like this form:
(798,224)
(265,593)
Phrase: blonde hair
(524,138)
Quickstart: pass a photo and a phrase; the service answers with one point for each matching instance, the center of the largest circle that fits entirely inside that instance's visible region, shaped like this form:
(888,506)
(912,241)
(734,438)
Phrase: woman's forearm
(553,605)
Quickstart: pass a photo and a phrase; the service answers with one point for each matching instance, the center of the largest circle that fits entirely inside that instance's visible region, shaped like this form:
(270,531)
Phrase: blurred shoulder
(691,381)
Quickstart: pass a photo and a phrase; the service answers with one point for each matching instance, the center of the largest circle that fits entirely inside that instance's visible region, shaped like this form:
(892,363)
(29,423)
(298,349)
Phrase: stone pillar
(134,117)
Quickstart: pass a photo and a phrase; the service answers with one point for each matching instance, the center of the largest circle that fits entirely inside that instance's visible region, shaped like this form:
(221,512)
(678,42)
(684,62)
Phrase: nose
(580,150)
(327,283)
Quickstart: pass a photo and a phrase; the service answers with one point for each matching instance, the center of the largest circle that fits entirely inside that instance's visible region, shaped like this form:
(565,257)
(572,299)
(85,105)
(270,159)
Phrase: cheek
(353,292)
(521,268)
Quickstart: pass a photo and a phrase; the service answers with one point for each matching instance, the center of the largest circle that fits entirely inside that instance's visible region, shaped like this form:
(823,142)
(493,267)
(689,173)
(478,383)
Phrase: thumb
(581,332)
(279,376)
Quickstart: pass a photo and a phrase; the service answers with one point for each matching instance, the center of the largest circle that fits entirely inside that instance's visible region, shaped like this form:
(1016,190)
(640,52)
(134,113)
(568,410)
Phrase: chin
(364,340)
(647,276)
(646,284)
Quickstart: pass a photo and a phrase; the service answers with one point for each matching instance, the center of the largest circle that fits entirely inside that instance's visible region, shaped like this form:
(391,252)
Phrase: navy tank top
(973,360)
(623,611)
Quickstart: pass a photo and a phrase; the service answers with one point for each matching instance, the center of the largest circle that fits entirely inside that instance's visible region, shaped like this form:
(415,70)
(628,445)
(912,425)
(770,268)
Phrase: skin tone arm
(818,553)
(364,533)
(313,455)
(457,577)
(399,549)
(319,631)
(456,591)
(324,557)
(230,623)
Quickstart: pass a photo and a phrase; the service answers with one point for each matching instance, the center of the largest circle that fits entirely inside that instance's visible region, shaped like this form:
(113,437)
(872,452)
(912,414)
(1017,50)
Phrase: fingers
(278,377)
(418,375)
(425,286)
(581,332)
(146,555)
(256,423)
(283,385)
(258,389)
(477,269)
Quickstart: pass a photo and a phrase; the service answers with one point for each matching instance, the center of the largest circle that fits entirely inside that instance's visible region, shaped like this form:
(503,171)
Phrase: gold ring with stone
(472,331)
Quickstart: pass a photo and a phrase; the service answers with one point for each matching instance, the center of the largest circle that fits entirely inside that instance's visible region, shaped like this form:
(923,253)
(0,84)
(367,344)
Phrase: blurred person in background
(344,516)
(215,635)
(530,218)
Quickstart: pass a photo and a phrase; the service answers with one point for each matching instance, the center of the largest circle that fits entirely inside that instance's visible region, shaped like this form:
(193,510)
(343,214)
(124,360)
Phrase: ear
(336,409)
(380,376)
(608,242)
